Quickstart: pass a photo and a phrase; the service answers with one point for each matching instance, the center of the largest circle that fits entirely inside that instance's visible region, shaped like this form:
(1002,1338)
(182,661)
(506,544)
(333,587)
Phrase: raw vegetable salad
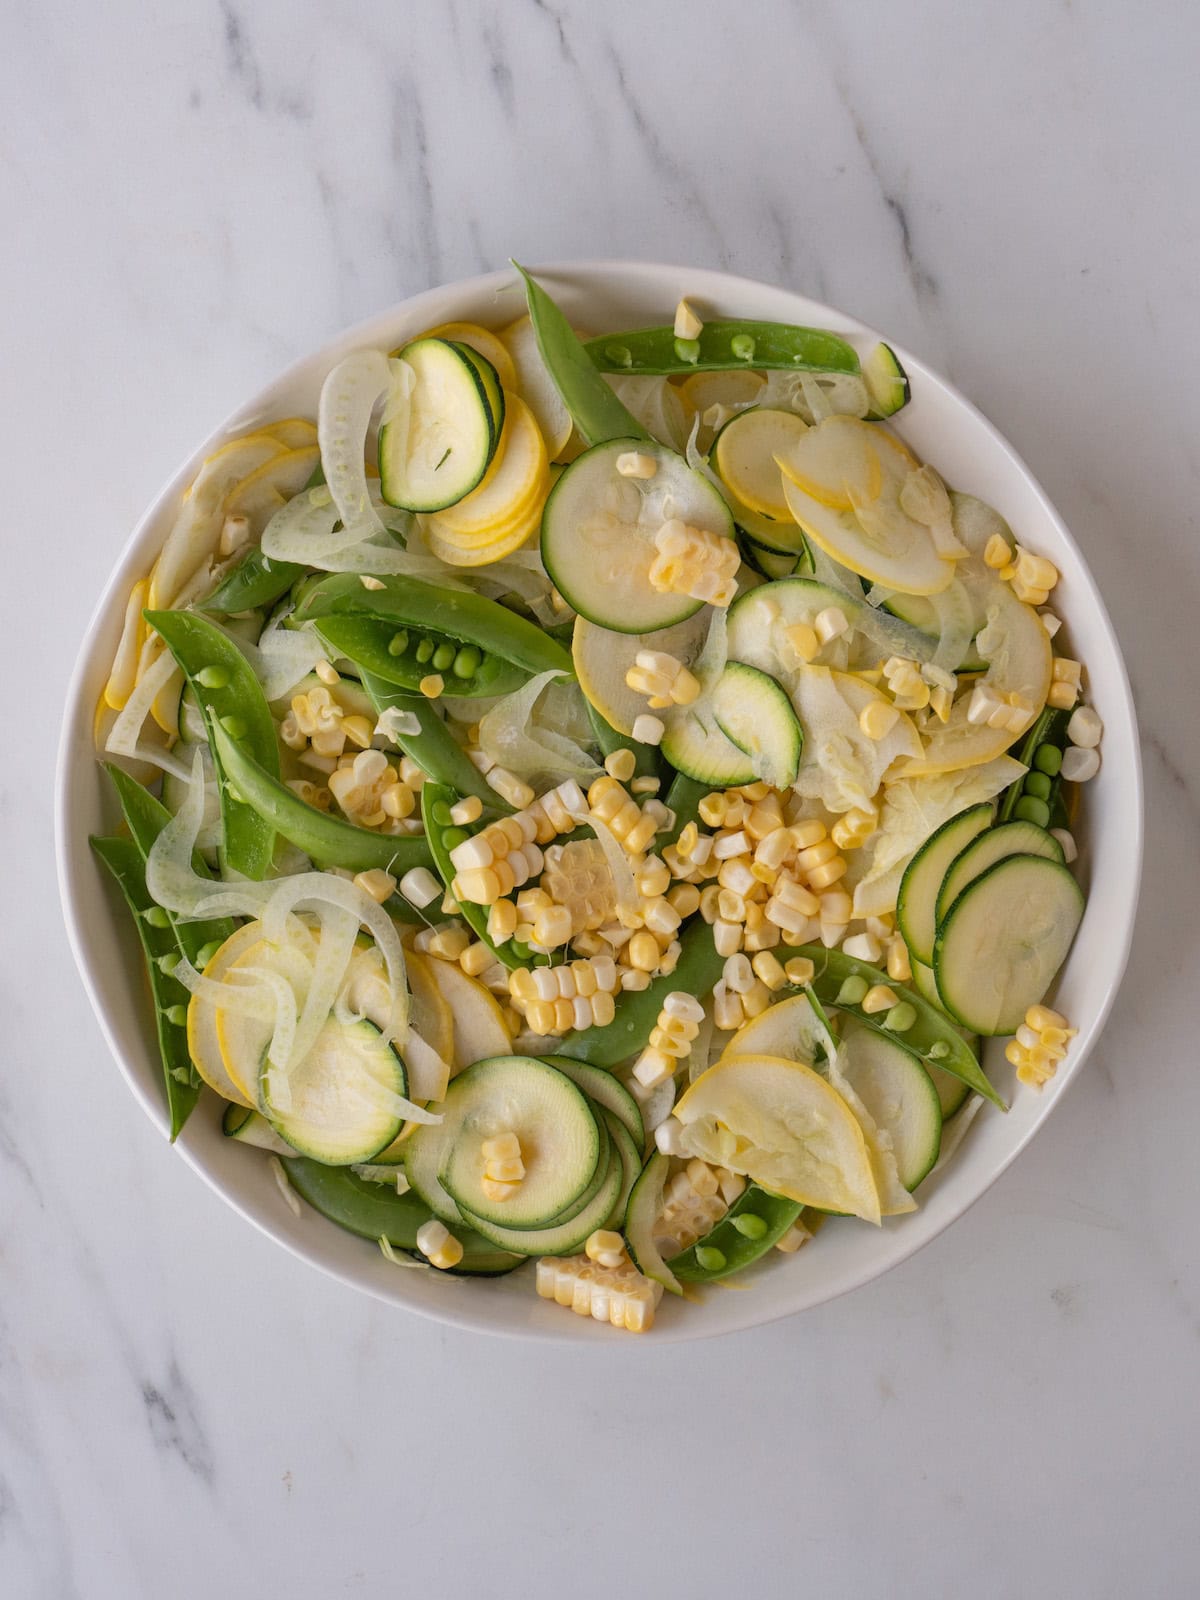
(585,801)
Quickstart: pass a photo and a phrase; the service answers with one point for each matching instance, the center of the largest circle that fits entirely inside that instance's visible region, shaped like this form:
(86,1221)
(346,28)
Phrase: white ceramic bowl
(940,425)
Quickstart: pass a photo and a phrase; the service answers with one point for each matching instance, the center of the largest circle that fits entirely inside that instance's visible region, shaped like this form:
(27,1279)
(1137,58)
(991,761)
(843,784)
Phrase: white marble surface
(193,195)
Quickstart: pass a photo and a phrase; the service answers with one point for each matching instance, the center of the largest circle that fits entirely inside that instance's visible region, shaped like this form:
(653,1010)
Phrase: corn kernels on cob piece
(694,562)
(619,1296)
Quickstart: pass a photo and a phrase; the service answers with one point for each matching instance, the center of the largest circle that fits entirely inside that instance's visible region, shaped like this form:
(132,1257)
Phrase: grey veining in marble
(196,194)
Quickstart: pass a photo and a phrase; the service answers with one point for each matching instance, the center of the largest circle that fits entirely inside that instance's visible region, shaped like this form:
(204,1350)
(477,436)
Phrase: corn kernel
(621,764)
(552,926)
(727,937)
(643,952)
(476,958)
(879,998)
(830,623)
(1062,695)
(377,883)
(803,641)
(432,685)
(898,964)
(878,718)
(635,464)
(685,897)
(768,970)
(648,729)
(603,1009)
(800,970)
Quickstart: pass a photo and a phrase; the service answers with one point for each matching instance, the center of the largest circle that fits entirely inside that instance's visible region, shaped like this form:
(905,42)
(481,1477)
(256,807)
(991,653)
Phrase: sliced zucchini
(916,900)
(561,1238)
(887,381)
(605,1091)
(492,1096)
(564,1146)
(900,1095)
(490,379)
(631,1164)
(437,449)
(952,1092)
(770,562)
(753,711)
(598,532)
(976,856)
(340,1107)
(695,746)
(374,1212)
(1002,941)
(641,1216)
(248,1127)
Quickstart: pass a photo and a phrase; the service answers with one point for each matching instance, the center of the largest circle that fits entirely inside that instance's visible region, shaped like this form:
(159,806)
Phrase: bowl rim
(243,415)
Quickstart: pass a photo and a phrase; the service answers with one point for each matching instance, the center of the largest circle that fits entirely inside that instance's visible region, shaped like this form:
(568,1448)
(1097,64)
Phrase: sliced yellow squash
(745,456)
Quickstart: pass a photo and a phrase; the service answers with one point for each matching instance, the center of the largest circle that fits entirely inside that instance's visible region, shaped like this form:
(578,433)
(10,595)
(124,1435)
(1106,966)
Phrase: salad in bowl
(587,799)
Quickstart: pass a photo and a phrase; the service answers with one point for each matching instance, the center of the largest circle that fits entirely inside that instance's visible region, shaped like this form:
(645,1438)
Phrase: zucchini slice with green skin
(917,897)
(753,711)
(492,387)
(1003,940)
(887,381)
(696,747)
(641,1215)
(1008,839)
(563,1238)
(952,1092)
(336,1113)
(631,1165)
(598,531)
(248,1127)
(754,1224)
(518,1092)
(374,1212)
(609,1093)
(771,563)
(900,1095)
(437,450)
(563,1146)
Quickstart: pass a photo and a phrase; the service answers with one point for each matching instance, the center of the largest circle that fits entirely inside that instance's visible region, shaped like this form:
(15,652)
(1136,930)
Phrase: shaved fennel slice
(282,1045)
(348,398)
(279,1173)
(170,879)
(315,889)
(814,395)
(230,993)
(283,656)
(511,736)
(956,626)
(339,930)
(124,737)
(380,1098)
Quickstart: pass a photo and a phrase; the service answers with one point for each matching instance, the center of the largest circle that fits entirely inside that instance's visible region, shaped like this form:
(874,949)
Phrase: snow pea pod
(723,345)
(595,410)
(1041,753)
(443,836)
(609,740)
(434,748)
(405,657)
(146,817)
(932,1036)
(751,1227)
(124,860)
(255,581)
(329,840)
(373,1211)
(698,968)
(683,798)
(484,628)
(231,699)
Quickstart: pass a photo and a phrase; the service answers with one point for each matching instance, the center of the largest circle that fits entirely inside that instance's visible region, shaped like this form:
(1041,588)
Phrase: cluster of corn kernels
(1032,577)
(880,945)
(578,994)
(377,793)
(695,1198)
(617,1295)
(806,640)
(317,722)
(1065,683)
(694,562)
(854,827)
(633,825)
(1011,712)
(506,854)
(1040,1044)
(907,687)
(438,1245)
(663,678)
(671,1038)
(503,1166)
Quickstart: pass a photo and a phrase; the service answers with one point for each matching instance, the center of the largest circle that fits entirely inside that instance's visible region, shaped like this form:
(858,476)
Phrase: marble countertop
(195,195)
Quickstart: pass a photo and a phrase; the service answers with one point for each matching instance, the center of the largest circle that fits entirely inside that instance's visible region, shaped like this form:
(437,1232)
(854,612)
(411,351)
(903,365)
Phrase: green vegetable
(764,345)
(442,837)
(698,968)
(329,840)
(124,860)
(595,409)
(225,687)
(683,798)
(373,1211)
(1042,753)
(609,740)
(146,817)
(495,632)
(254,582)
(930,1027)
(435,749)
(755,1222)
